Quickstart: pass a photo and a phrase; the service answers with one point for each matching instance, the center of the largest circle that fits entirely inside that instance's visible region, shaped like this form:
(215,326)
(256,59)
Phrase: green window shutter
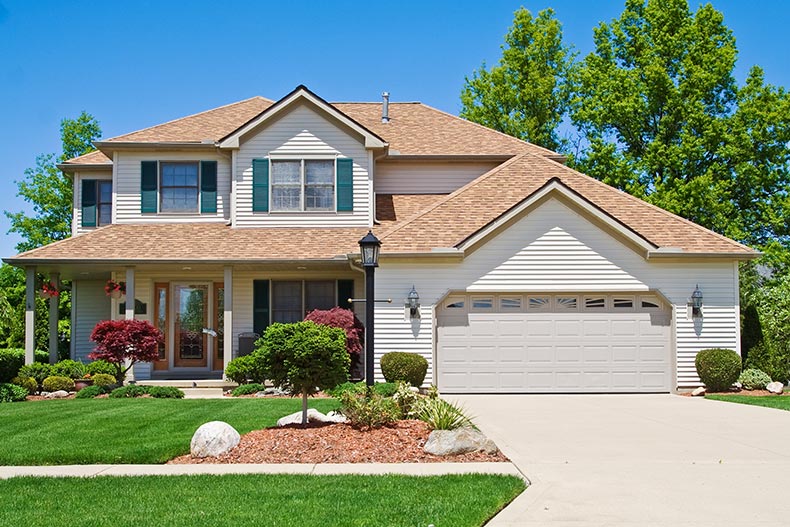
(345,184)
(89,202)
(260,306)
(149,176)
(260,185)
(208,186)
(345,290)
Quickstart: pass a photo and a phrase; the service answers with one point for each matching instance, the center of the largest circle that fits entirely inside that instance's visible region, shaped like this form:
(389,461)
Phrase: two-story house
(531,276)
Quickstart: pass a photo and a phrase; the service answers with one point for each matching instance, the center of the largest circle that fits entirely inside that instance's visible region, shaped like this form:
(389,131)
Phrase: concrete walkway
(647,460)
(409,469)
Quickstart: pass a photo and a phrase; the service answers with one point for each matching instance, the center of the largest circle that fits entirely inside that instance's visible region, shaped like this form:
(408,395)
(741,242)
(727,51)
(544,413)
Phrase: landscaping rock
(459,441)
(60,394)
(313,416)
(213,439)
(698,391)
(775,387)
(271,392)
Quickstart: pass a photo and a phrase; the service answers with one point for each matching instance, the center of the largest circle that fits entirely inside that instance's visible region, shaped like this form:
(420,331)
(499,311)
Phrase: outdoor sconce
(696,303)
(413,303)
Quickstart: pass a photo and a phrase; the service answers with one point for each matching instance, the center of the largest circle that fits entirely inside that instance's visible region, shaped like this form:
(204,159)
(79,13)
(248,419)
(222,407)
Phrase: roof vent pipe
(385,107)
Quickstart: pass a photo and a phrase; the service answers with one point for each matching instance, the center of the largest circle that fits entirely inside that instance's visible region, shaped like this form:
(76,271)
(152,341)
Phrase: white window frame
(302,183)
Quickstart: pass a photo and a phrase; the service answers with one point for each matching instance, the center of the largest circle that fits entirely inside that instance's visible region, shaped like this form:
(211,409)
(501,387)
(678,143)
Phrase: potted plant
(83,382)
(48,290)
(115,289)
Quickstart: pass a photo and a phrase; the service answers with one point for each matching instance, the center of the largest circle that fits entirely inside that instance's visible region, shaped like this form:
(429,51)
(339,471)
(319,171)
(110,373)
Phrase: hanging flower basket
(48,290)
(115,289)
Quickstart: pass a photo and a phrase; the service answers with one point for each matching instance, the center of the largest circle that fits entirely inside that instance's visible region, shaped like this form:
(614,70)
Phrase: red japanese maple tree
(124,343)
(345,319)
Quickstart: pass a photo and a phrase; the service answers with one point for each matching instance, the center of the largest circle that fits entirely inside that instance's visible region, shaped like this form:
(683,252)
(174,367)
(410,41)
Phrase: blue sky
(136,64)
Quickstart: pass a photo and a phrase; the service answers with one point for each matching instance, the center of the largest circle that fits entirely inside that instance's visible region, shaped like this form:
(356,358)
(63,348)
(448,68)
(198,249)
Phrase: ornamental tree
(124,343)
(345,319)
(304,358)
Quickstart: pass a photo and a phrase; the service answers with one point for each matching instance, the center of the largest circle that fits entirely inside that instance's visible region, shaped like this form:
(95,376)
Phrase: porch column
(54,303)
(228,317)
(130,293)
(30,314)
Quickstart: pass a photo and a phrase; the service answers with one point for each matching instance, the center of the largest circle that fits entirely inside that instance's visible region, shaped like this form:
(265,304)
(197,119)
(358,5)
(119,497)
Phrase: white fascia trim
(557,187)
(232,141)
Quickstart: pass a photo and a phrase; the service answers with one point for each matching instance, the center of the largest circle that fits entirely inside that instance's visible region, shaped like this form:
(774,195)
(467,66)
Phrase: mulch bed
(337,443)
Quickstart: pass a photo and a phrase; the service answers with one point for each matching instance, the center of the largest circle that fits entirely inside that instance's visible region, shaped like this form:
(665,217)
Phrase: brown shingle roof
(91,158)
(164,242)
(456,217)
(393,208)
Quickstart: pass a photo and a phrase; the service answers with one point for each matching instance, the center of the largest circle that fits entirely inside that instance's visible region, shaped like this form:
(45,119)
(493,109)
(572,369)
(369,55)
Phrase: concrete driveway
(646,460)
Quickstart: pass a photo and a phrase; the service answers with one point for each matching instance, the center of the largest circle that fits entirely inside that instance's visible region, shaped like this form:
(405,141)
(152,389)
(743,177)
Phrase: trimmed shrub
(123,343)
(772,358)
(53,383)
(246,369)
(90,392)
(69,368)
(718,368)
(103,379)
(11,393)
(247,389)
(100,366)
(442,415)
(132,390)
(38,370)
(385,389)
(368,411)
(164,392)
(753,379)
(401,366)
(12,359)
(28,383)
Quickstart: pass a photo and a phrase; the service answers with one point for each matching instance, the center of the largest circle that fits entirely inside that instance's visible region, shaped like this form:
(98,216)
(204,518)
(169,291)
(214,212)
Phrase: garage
(553,343)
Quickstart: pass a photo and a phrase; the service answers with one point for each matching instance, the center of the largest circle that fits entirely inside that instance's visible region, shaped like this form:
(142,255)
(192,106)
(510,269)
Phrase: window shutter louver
(260,185)
(260,306)
(345,184)
(89,199)
(208,186)
(148,186)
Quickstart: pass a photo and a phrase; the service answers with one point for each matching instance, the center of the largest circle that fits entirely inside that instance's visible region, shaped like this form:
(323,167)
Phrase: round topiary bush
(28,383)
(53,383)
(754,379)
(401,366)
(718,368)
(103,379)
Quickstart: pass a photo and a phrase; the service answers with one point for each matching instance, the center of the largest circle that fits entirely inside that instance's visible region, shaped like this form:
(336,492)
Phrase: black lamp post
(369,247)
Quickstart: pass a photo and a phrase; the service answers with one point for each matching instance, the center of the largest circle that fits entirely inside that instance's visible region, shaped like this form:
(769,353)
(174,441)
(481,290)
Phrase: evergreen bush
(401,366)
(718,368)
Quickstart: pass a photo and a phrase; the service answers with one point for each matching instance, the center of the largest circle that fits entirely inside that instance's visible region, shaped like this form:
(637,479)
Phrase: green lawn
(272,500)
(770,401)
(125,430)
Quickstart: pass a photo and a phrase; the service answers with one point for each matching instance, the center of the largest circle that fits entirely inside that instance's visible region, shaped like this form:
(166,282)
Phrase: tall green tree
(48,191)
(665,119)
(528,93)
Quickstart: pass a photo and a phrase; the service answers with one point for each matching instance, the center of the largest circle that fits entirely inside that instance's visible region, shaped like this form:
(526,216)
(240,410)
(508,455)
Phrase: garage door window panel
(482,303)
(623,303)
(539,303)
(595,303)
(567,303)
(510,303)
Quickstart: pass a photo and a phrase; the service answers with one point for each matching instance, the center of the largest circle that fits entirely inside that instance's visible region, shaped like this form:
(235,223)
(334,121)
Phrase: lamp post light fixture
(369,247)
(696,303)
(413,303)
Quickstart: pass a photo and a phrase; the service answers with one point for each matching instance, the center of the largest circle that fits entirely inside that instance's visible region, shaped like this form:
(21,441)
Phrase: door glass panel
(161,317)
(190,320)
(220,325)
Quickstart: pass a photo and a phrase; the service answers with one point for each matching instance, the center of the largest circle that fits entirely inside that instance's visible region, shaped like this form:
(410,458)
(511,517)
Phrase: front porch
(208,313)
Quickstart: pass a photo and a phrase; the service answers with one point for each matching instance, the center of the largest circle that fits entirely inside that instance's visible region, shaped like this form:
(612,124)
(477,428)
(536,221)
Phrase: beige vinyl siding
(577,256)
(76,224)
(427,177)
(302,132)
(127,187)
(92,306)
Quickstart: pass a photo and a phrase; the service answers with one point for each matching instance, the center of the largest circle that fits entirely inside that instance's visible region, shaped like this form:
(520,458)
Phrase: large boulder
(458,441)
(213,439)
(313,416)
(775,387)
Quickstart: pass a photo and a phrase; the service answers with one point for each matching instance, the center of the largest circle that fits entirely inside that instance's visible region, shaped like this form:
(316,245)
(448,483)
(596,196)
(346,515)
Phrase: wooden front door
(191,316)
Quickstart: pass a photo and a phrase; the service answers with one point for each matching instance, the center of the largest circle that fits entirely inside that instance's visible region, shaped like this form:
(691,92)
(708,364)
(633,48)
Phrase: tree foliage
(123,343)
(666,121)
(527,94)
(345,319)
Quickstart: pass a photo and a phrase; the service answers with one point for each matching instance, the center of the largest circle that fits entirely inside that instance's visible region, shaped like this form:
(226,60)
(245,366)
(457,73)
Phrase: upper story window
(178,186)
(303,185)
(96,202)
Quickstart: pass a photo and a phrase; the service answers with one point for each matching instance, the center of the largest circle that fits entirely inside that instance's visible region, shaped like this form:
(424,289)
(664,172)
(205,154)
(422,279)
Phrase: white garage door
(544,343)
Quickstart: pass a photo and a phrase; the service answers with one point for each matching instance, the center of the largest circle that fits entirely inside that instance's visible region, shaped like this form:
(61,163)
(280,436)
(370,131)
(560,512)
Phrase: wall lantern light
(413,303)
(696,303)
